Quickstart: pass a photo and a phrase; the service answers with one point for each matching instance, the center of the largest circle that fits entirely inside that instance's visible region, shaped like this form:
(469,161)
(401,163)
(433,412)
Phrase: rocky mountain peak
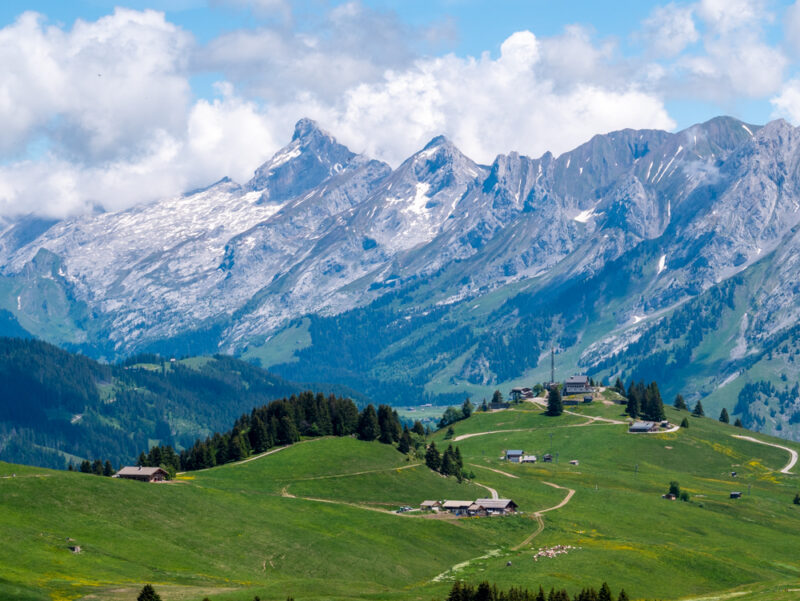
(308,160)
(307,128)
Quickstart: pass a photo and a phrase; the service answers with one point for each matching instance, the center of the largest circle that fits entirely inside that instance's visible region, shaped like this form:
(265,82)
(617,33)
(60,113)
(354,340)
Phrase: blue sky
(104,95)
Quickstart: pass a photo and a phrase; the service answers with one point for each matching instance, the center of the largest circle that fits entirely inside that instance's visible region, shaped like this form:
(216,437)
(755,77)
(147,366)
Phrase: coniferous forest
(279,423)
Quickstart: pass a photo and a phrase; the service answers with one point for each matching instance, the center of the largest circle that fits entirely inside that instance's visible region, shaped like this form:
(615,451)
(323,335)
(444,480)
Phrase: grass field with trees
(316,520)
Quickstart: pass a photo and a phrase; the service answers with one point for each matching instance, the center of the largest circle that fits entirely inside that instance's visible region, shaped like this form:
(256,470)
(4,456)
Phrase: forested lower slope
(57,407)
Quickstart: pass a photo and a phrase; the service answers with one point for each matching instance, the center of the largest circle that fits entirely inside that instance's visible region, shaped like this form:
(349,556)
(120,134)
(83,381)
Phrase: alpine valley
(641,254)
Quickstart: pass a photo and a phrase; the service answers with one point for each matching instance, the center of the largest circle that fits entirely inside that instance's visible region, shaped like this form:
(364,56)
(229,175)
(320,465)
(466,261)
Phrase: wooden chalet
(514,456)
(577,385)
(457,507)
(143,474)
(430,505)
(496,506)
(517,394)
(642,427)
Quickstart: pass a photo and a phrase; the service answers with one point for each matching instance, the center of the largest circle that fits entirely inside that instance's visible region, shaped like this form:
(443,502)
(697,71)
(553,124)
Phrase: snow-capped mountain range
(320,230)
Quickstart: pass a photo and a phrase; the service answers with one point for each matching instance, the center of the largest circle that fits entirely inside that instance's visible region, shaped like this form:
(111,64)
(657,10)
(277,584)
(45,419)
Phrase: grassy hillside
(315,520)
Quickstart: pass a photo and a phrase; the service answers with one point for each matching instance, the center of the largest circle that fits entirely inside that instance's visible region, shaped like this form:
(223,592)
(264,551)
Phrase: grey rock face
(320,229)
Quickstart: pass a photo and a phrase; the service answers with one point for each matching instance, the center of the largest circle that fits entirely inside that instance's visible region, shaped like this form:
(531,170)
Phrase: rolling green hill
(315,520)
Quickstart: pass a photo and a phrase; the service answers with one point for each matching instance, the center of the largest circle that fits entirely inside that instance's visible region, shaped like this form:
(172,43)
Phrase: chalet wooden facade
(143,474)
(577,385)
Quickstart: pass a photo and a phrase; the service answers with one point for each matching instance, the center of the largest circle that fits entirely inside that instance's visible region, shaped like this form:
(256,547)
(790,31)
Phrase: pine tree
(797,499)
(698,410)
(432,458)
(107,469)
(484,592)
(449,466)
(235,451)
(723,416)
(605,593)
(554,405)
(388,425)
(467,408)
(620,386)
(258,435)
(738,423)
(685,422)
(632,408)
(497,397)
(404,446)
(484,406)
(148,594)
(680,403)
(287,431)
(623,596)
(86,467)
(97,467)
(455,592)
(368,428)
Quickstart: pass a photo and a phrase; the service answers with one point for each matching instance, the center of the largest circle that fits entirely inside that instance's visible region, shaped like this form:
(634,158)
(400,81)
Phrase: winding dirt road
(792,452)
(465,436)
(538,515)
(491,469)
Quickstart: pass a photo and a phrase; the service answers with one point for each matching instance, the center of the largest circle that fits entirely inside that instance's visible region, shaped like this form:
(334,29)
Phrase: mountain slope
(443,277)
(57,407)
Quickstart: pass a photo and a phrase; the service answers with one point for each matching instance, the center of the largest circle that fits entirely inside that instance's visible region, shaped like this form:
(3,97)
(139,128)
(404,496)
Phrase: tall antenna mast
(552,365)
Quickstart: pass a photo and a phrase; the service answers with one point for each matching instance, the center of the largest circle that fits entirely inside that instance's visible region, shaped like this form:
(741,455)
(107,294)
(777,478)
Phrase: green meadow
(316,520)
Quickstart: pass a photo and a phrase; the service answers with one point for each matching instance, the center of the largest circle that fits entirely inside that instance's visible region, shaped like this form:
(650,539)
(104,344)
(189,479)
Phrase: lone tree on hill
(497,397)
(467,408)
(680,403)
(685,422)
(698,410)
(148,594)
(797,499)
(723,416)
(674,488)
(554,405)
(738,423)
